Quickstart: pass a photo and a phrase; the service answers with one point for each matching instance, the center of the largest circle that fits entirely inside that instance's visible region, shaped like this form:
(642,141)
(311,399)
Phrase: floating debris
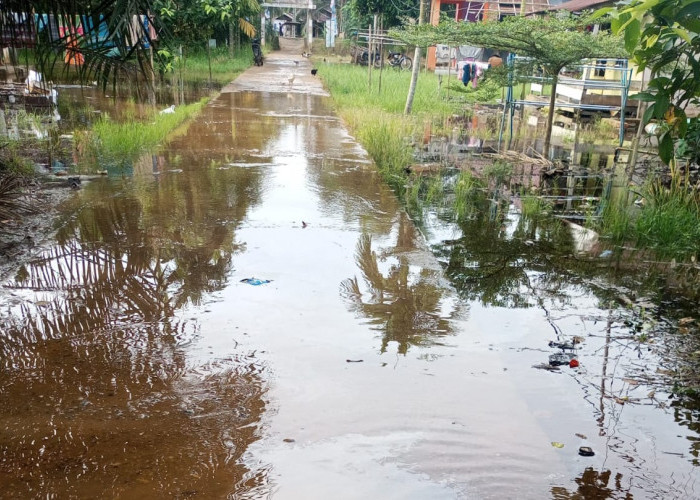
(561,345)
(544,366)
(585,451)
(255,281)
(561,358)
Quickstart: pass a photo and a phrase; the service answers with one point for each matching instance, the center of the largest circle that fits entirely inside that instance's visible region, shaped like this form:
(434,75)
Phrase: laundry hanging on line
(471,71)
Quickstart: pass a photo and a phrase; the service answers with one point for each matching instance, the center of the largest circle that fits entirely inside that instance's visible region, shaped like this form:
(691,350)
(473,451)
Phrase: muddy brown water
(137,364)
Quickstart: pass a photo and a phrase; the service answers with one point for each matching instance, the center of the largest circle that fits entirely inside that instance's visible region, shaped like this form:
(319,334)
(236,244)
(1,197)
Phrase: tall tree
(553,42)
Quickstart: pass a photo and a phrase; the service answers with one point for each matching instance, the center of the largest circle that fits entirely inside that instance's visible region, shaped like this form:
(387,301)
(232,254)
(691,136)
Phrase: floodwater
(381,359)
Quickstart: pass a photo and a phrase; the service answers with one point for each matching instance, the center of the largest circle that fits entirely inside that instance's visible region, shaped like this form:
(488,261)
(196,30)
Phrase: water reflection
(404,302)
(98,396)
(497,257)
(595,485)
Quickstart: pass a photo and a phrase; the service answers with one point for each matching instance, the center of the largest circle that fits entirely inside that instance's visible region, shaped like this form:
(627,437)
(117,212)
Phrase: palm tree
(113,37)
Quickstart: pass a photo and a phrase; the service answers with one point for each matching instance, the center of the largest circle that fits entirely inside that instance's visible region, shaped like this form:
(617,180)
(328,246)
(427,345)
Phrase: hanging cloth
(466,74)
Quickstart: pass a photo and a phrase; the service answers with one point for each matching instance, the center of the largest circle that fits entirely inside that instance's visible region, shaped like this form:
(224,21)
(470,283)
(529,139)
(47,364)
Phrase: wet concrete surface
(137,364)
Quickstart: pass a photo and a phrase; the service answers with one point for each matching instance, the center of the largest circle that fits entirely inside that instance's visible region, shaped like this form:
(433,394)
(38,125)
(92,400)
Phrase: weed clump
(110,143)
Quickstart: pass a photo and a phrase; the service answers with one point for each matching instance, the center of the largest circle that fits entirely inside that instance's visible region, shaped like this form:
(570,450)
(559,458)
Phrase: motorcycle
(257,52)
(399,60)
(363,58)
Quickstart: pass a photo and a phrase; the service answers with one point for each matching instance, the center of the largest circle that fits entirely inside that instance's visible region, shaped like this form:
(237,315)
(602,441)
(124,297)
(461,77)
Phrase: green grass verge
(374,113)
(110,142)
(668,222)
(224,68)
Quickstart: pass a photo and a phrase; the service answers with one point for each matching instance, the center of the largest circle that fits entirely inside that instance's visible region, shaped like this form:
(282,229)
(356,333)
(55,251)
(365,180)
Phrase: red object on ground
(573,363)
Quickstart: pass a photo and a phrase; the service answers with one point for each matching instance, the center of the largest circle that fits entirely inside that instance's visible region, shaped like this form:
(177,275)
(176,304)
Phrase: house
(287,24)
(598,84)
(320,16)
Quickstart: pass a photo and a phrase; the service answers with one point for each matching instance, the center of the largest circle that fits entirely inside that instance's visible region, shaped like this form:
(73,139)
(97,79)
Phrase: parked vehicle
(257,52)
(364,58)
(399,60)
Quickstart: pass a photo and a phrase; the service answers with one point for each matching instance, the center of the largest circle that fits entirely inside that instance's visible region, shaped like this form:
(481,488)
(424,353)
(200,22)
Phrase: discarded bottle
(561,358)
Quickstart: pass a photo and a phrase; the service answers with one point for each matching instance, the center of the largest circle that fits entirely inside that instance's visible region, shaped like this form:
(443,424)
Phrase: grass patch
(535,207)
(616,219)
(384,138)
(468,191)
(376,116)
(224,68)
(348,84)
(194,67)
(668,222)
(112,143)
(12,160)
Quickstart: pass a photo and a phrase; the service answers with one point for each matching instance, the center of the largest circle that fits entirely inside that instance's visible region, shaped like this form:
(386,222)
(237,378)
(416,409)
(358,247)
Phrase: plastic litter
(561,345)
(573,363)
(255,281)
(561,358)
(586,451)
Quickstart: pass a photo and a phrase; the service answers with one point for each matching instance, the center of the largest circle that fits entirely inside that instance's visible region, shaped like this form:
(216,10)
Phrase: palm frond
(247,28)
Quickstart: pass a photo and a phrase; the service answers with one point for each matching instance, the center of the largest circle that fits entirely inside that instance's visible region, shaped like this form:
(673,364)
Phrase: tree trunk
(209,60)
(550,116)
(416,66)
(231,38)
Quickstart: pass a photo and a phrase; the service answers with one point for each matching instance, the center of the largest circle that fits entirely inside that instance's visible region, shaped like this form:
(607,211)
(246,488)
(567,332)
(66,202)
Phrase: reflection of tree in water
(498,261)
(594,485)
(97,396)
(406,305)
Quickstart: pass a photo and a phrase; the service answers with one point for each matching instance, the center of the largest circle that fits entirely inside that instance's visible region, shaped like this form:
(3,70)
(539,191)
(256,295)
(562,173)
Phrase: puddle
(137,364)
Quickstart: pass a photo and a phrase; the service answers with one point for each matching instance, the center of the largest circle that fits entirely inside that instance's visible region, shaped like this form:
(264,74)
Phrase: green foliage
(670,220)
(616,220)
(498,171)
(121,143)
(224,68)
(664,36)
(467,189)
(488,90)
(11,159)
(359,13)
(193,22)
(382,136)
(348,85)
(535,207)
(553,41)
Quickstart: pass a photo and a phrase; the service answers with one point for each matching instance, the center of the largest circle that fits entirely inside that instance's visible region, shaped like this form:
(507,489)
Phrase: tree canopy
(553,42)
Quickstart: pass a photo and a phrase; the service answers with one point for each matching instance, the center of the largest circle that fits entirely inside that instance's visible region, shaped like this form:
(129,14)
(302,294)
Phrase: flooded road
(367,358)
